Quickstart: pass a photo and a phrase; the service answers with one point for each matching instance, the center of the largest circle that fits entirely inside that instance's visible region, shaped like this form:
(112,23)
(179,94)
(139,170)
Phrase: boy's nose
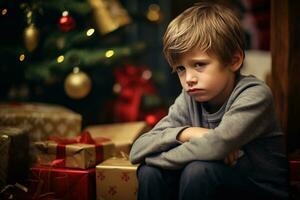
(190,78)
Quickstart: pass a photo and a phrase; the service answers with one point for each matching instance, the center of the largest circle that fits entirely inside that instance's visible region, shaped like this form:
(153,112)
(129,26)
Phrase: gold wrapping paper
(18,155)
(41,120)
(77,155)
(121,134)
(116,180)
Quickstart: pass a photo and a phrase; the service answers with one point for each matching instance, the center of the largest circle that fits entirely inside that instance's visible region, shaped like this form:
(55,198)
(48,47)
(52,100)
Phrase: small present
(294,170)
(82,152)
(61,183)
(294,165)
(116,180)
(4,150)
(15,156)
(41,120)
(121,134)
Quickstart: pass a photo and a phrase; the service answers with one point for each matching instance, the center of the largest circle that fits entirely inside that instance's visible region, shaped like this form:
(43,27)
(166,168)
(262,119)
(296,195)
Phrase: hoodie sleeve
(163,136)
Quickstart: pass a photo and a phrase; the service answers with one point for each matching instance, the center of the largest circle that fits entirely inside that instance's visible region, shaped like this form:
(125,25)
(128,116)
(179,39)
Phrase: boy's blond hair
(211,28)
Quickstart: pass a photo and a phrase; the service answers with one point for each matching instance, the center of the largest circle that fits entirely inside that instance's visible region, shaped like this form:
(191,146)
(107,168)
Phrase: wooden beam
(285,49)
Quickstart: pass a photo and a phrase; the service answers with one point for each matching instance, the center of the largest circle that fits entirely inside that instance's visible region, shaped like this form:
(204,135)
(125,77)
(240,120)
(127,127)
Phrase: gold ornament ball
(78,85)
(31,37)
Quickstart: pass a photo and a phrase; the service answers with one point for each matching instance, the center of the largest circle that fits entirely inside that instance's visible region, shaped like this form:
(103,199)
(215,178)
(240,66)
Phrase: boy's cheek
(182,82)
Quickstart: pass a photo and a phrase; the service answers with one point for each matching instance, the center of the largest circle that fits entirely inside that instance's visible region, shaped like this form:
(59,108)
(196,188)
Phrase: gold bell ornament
(77,84)
(109,15)
(31,37)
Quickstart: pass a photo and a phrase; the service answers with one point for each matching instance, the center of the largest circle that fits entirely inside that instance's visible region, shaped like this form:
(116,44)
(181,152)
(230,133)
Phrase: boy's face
(205,78)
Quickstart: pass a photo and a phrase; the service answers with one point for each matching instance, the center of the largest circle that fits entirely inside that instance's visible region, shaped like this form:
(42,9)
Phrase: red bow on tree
(134,82)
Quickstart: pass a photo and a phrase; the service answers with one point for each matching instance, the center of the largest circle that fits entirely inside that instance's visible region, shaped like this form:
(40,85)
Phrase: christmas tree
(71,52)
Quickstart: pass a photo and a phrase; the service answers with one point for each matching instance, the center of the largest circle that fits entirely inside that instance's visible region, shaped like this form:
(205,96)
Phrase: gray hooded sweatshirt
(247,121)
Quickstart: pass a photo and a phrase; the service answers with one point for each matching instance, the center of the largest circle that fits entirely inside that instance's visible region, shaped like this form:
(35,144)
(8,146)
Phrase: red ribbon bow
(83,138)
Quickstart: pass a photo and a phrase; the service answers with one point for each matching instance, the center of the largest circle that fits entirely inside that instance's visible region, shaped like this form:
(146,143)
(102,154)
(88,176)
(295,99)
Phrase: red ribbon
(83,138)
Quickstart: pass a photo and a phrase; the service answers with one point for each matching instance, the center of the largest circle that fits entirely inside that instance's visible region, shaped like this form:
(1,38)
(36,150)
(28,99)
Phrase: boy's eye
(200,65)
(179,69)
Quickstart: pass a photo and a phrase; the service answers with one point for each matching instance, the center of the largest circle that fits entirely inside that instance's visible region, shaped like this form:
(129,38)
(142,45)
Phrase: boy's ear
(237,61)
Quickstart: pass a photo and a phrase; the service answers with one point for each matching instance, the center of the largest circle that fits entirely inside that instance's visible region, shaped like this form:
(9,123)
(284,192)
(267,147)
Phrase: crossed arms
(174,141)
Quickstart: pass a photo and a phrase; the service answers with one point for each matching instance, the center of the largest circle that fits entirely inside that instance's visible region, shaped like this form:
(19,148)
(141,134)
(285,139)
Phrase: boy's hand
(232,157)
(191,132)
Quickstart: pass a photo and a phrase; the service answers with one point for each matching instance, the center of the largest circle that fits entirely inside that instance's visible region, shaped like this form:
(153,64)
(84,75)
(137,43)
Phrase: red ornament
(66,22)
(153,117)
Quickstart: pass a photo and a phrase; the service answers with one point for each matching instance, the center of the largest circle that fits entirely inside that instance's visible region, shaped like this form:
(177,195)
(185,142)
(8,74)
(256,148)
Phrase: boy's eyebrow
(199,60)
(176,66)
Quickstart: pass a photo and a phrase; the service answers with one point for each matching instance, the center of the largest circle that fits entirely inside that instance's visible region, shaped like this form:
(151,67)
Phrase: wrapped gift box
(294,164)
(61,183)
(41,120)
(15,157)
(75,154)
(4,150)
(116,180)
(121,134)
(295,170)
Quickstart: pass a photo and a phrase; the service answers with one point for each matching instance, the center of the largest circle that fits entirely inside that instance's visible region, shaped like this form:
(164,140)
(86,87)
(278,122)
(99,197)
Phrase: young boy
(221,136)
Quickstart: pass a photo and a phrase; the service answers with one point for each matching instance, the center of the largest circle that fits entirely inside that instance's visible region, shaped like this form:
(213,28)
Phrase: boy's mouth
(195,91)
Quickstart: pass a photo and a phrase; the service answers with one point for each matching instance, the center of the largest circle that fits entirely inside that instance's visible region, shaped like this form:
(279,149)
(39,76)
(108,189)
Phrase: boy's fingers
(226,160)
(236,154)
(231,158)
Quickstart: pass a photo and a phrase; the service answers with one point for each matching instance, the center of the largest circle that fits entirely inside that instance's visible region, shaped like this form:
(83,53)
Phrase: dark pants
(198,180)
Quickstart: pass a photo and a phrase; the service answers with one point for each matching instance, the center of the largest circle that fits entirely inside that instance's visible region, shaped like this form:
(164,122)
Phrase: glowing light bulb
(109,53)
(60,59)
(22,57)
(4,11)
(90,32)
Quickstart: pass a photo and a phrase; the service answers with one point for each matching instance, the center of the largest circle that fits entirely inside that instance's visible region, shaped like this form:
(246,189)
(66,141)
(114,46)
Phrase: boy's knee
(148,173)
(199,180)
(198,171)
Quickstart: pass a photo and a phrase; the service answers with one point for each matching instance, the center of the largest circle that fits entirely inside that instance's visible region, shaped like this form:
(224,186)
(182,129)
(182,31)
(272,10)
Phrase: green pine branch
(57,41)
(85,59)
(75,6)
